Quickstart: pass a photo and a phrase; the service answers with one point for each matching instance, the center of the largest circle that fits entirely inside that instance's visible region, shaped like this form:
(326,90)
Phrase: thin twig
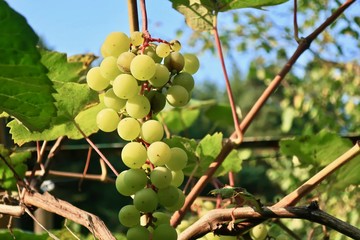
(86,167)
(35,220)
(144,17)
(296,27)
(17,177)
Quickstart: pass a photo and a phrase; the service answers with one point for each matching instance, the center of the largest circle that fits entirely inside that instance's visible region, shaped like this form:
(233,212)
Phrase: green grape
(121,186)
(160,177)
(113,101)
(124,60)
(128,128)
(146,200)
(259,232)
(142,67)
(174,62)
(168,196)
(95,80)
(159,153)
(138,107)
(178,159)
(157,101)
(192,63)
(104,52)
(228,238)
(177,178)
(282,237)
(107,120)
(109,69)
(150,51)
(161,76)
(177,96)
(152,131)
(136,38)
(164,231)
(184,79)
(175,45)
(163,50)
(129,216)
(179,203)
(125,86)
(136,179)
(208,205)
(133,155)
(138,232)
(211,236)
(161,218)
(183,225)
(115,44)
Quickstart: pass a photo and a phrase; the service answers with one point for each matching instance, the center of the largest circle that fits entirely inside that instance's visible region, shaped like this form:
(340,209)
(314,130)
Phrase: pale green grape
(124,60)
(109,69)
(146,200)
(138,106)
(164,231)
(208,205)
(178,159)
(177,178)
(174,62)
(168,196)
(161,218)
(107,120)
(282,237)
(192,63)
(125,86)
(133,155)
(129,216)
(113,101)
(136,38)
(128,128)
(152,131)
(150,51)
(121,186)
(175,45)
(180,202)
(157,101)
(142,67)
(115,44)
(184,79)
(137,233)
(160,177)
(95,80)
(161,76)
(259,232)
(177,96)
(136,179)
(163,50)
(159,153)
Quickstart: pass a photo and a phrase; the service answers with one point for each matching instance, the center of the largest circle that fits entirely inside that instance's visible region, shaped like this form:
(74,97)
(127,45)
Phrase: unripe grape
(129,216)
(133,155)
(109,69)
(179,203)
(125,86)
(107,120)
(192,63)
(152,131)
(177,178)
(174,62)
(135,179)
(259,232)
(175,45)
(136,38)
(113,101)
(168,196)
(146,200)
(185,80)
(160,177)
(124,60)
(142,67)
(115,44)
(121,186)
(177,96)
(163,50)
(138,232)
(138,107)
(178,159)
(159,153)
(164,231)
(95,80)
(161,218)
(128,128)
(150,51)
(157,101)
(161,76)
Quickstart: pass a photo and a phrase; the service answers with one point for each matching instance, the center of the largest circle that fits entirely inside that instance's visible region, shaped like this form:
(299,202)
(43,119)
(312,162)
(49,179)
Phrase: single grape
(128,128)
(146,200)
(177,96)
(259,232)
(136,179)
(178,159)
(160,177)
(121,186)
(95,80)
(161,218)
(107,120)
(192,63)
(133,155)
(184,79)
(174,62)
(142,67)
(152,131)
(163,50)
(175,45)
(138,232)
(157,101)
(164,231)
(168,196)
(115,44)
(159,153)
(138,106)
(124,60)
(179,203)
(208,205)
(150,51)
(136,38)
(125,86)
(113,101)
(282,237)
(129,216)
(109,69)
(161,76)
(177,178)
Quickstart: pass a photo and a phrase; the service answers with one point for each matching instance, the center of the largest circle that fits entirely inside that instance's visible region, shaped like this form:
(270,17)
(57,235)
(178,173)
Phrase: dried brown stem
(133,15)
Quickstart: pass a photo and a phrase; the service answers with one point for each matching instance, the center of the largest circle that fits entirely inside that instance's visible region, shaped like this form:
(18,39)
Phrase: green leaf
(226,5)
(220,114)
(25,89)
(287,119)
(232,163)
(21,235)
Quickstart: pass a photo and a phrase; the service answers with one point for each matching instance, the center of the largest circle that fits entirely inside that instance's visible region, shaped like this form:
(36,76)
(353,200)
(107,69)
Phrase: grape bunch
(138,76)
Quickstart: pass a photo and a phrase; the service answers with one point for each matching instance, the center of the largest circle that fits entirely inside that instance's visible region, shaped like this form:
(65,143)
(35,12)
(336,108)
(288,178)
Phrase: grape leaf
(226,5)
(220,114)
(232,163)
(25,89)
(21,235)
